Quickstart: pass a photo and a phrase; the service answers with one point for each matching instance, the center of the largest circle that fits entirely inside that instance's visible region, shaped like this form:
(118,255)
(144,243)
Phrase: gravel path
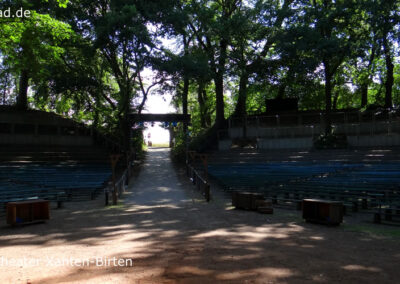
(157,182)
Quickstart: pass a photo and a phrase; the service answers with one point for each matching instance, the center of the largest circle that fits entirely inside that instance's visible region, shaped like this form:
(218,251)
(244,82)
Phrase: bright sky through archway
(157,104)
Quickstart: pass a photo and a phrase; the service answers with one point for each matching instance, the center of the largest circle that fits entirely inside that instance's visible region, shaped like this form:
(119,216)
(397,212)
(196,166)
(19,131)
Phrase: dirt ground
(163,232)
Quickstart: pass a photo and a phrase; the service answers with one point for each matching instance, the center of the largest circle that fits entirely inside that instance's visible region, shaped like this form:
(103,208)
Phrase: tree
(326,31)
(120,31)
(212,26)
(385,23)
(29,44)
(255,34)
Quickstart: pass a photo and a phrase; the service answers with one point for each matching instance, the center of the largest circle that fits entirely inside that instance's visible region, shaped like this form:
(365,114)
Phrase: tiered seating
(17,192)
(51,181)
(258,175)
(55,154)
(43,155)
(378,183)
(374,186)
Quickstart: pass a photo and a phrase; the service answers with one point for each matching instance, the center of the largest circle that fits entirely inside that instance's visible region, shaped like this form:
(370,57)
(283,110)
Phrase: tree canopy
(219,59)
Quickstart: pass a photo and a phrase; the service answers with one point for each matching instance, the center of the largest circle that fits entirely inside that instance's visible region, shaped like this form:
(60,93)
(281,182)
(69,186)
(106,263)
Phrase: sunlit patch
(236,275)
(275,272)
(253,234)
(356,267)
(138,235)
(191,270)
(239,257)
(317,238)
(170,222)
(307,246)
(170,233)
(118,233)
(265,273)
(146,212)
(163,189)
(215,233)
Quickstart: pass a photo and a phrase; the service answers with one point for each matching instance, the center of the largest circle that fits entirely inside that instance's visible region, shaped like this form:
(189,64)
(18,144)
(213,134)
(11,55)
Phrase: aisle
(157,182)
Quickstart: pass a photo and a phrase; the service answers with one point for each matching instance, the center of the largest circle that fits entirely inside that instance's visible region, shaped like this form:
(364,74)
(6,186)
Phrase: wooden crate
(323,211)
(246,200)
(263,203)
(265,210)
(27,211)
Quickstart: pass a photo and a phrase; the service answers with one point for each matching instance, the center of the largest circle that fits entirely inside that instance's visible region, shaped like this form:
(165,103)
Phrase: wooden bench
(27,211)
(246,200)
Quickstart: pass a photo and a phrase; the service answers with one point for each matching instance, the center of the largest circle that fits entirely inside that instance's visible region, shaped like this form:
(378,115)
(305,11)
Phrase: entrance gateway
(167,117)
(163,117)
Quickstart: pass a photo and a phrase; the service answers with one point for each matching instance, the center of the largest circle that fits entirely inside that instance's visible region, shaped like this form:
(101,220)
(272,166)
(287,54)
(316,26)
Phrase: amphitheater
(43,155)
(164,230)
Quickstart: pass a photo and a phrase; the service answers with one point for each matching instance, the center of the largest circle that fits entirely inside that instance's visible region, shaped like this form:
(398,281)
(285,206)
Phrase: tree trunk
(202,106)
(364,94)
(219,93)
(22,99)
(328,98)
(219,85)
(389,74)
(171,137)
(124,120)
(335,100)
(365,84)
(185,91)
(281,91)
(5,88)
(240,109)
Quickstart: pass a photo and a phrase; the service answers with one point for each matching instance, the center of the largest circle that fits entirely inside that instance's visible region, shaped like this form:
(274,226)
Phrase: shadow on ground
(192,244)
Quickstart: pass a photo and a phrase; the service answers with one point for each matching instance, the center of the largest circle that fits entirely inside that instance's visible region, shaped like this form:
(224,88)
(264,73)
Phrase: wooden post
(204,159)
(192,156)
(114,161)
(106,197)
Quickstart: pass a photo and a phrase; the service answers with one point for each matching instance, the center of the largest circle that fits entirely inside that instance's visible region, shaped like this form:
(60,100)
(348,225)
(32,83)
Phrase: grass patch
(118,206)
(374,230)
(158,145)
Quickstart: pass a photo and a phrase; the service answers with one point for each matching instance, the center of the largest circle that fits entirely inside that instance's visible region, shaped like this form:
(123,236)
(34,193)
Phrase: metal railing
(195,175)
(311,118)
(202,185)
(311,125)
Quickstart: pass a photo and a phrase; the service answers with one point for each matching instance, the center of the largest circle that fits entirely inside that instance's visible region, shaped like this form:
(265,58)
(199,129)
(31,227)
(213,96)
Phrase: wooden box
(323,211)
(246,200)
(265,210)
(27,211)
(263,203)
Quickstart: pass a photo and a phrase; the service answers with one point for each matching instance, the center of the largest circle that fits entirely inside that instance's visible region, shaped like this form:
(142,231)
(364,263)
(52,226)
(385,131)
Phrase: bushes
(178,151)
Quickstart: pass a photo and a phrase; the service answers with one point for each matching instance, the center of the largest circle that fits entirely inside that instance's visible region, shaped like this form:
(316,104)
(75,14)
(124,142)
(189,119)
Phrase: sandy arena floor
(163,232)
